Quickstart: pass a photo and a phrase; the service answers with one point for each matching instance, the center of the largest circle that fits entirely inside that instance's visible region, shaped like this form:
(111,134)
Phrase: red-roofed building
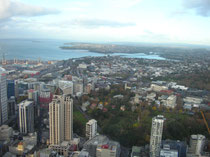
(93,106)
(166,91)
(106,146)
(105,109)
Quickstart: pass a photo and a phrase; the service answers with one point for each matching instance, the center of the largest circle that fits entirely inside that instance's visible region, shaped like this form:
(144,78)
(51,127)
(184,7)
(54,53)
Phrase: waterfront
(34,49)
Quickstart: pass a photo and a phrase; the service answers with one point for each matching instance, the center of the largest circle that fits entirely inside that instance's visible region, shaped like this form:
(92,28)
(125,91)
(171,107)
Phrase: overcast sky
(156,21)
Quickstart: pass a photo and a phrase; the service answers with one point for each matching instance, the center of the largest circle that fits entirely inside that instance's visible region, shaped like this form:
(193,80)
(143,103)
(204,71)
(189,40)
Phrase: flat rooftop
(25,103)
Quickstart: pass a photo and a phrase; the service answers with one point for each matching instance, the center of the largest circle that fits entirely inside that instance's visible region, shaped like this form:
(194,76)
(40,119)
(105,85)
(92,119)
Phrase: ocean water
(49,50)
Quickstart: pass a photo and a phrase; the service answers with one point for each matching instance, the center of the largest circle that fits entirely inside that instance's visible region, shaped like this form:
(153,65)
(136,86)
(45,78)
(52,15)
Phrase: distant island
(175,53)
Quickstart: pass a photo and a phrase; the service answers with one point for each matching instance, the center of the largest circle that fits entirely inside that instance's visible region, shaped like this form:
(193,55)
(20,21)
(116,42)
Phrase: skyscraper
(61,119)
(197,143)
(26,117)
(156,135)
(3,97)
(91,128)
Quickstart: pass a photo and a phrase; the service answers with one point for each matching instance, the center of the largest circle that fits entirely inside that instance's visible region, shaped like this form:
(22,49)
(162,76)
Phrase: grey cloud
(95,23)
(9,9)
(202,7)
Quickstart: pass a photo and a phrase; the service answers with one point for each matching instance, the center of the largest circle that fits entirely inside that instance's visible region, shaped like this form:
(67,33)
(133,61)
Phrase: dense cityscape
(108,106)
(104,78)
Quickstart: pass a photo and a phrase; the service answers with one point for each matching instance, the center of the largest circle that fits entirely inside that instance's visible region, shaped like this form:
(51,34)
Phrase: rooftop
(25,103)
(2,69)
(92,121)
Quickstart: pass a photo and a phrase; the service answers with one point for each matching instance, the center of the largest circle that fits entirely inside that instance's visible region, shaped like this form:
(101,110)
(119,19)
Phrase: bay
(45,49)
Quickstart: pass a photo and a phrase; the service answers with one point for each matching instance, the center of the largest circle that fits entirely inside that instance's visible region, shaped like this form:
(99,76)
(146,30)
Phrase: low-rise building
(168,152)
(6,133)
(94,145)
(135,151)
(171,101)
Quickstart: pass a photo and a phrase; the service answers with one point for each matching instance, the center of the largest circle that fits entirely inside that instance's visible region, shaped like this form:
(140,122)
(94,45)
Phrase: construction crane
(204,119)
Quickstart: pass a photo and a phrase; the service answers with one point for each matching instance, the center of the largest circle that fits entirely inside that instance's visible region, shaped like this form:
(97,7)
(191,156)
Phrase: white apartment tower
(3,97)
(156,135)
(197,143)
(61,119)
(91,128)
(26,117)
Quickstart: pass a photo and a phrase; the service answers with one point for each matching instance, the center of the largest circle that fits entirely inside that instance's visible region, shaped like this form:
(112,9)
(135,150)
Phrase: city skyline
(182,21)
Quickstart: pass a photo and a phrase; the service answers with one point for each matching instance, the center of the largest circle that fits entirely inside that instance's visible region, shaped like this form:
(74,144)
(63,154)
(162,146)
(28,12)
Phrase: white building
(26,117)
(61,119)
(193,100)
(66,86)
(156,135)
(82,66)
(3,97)
(171,101)
(158,88)
(196,145)
(91,128)
(106,151)
(151,96)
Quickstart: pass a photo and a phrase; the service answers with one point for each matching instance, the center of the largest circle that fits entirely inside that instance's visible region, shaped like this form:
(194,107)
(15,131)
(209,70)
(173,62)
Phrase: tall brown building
(61,119)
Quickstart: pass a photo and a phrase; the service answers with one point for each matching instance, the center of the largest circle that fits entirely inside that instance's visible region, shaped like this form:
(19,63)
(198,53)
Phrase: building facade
(156,135)
(66,86)
(26,117)
(166,151)
(3,97)
(10,88)
(197,143)
(61,119)
(91,128)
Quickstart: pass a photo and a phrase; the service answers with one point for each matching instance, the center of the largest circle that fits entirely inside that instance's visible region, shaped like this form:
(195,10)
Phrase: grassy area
(78,116)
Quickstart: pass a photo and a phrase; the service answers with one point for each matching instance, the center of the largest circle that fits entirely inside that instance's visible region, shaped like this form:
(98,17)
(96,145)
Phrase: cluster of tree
(134,127)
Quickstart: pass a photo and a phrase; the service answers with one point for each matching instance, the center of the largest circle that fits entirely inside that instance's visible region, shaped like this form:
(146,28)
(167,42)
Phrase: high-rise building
(91,128)
(33,95)
(3,97)
(12,107)
(61,119)
(78,88)
(196,145)
(156,135)
(26,117)
(10,88)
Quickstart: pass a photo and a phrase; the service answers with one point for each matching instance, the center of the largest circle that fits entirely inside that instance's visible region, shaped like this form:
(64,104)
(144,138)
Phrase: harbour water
(50,50)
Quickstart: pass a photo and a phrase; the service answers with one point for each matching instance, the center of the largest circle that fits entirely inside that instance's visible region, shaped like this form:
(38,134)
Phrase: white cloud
(10,8)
